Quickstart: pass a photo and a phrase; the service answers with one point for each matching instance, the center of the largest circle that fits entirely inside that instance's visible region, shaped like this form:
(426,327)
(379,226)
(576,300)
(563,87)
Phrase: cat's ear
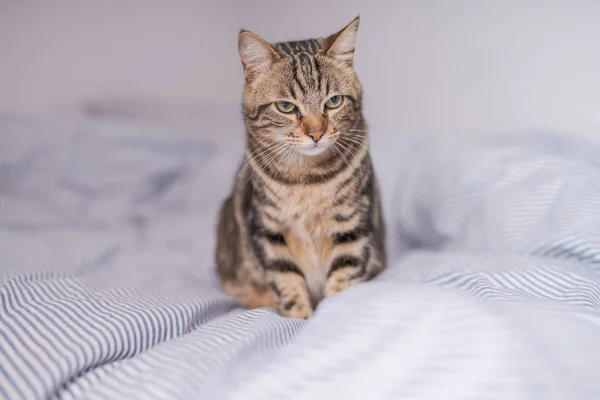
(256,54)
(342,43)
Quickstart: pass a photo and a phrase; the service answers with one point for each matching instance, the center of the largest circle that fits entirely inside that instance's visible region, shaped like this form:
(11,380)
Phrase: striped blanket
(108,288)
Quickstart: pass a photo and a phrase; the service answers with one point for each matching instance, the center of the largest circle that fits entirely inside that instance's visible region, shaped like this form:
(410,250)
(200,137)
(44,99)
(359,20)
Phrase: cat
(304,220)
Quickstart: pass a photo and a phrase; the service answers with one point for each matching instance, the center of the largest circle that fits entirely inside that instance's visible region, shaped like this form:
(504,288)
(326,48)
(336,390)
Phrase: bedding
(108,285)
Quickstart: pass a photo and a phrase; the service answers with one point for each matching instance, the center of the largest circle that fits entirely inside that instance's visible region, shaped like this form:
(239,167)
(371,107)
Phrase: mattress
(108,284)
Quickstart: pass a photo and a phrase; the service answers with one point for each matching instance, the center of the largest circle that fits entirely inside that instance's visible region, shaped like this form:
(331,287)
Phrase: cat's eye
(334,101)
(285,106)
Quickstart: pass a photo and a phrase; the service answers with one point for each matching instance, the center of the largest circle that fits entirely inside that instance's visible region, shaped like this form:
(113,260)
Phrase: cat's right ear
(256,54)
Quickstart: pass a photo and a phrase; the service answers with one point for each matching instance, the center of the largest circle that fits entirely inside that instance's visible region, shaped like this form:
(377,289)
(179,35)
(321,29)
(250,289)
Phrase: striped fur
(304,220)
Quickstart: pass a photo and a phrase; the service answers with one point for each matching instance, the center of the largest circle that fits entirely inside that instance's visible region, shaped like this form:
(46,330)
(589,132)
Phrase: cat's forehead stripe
(306,72)
(310,47)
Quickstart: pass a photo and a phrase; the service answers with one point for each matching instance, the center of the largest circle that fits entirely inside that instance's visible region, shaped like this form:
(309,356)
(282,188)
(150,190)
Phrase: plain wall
(57,55)
(428,67)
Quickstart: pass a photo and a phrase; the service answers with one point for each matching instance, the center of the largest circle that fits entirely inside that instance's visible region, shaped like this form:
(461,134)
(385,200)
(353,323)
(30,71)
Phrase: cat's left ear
(343,42)
(256,54)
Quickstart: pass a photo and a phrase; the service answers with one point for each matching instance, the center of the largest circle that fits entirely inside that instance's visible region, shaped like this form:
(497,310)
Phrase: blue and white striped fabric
(108,288)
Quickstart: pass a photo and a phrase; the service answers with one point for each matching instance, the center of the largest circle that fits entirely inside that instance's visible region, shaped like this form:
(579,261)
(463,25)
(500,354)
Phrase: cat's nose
(314,126)
(315,135)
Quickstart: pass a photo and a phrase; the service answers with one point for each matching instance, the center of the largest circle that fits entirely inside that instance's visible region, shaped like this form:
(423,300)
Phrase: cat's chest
(308,226)
(309,238)
(308,211)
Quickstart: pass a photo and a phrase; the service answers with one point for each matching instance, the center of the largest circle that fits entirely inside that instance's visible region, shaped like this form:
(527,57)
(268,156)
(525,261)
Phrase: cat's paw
(296,309)
(336,284)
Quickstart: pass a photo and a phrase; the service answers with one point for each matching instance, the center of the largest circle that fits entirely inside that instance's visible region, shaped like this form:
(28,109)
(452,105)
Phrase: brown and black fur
(297,227)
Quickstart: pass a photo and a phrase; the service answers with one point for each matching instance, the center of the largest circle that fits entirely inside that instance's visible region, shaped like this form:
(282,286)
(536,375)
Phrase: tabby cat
(304,220)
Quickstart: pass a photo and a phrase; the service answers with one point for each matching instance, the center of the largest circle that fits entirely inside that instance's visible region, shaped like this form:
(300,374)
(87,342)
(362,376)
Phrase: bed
(108,285)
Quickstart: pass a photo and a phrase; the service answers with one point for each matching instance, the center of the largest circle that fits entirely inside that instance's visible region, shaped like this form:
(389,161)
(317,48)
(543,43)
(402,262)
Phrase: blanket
(108,284)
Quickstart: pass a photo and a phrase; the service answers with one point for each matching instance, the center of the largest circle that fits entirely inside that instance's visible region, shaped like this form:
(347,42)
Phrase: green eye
(285,106)
(334,102)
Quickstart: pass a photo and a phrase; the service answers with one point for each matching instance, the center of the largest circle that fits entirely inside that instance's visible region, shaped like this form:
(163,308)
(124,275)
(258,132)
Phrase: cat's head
(302,97)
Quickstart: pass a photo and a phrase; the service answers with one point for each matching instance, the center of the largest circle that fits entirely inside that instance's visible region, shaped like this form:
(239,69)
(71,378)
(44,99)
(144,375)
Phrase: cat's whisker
(352,150)
(267,148)
(360,143)
(278,153)
(353,156)
(256,153)
(358,139)
(341,153)
(252,174)
(265,162)
(282,161)
(357,132)
(354,135)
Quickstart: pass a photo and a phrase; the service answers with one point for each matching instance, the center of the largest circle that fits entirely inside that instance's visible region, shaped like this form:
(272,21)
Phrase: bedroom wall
(170,57)
(428,67)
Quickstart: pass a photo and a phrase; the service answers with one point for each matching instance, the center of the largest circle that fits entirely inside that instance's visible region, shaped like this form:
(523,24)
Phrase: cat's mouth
(312,150)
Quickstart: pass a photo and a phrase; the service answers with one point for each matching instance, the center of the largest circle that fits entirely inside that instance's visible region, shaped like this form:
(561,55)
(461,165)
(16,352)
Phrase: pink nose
(316,135)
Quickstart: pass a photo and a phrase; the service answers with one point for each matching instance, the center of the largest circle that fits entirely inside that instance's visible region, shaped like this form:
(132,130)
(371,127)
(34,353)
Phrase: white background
(429,67)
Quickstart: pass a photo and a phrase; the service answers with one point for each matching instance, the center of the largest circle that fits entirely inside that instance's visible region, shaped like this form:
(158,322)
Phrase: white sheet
(109,290)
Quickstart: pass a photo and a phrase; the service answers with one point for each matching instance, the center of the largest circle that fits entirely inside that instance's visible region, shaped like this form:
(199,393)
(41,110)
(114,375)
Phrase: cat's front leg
(348,269)
(289,287)
(284,277)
